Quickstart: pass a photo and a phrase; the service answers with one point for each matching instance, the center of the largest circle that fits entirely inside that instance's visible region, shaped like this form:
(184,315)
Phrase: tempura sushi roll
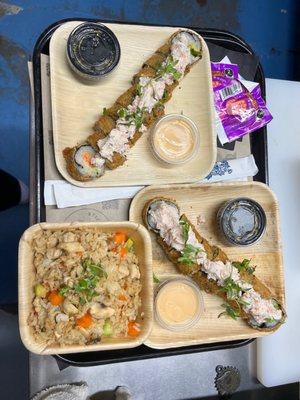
(117,160)
(104,124)
(83,163)
(245,295)
(137,108)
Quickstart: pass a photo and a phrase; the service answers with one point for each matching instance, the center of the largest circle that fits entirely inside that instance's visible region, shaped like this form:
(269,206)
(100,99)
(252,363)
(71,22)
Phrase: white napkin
(76,391)
(63,194)
(236,169)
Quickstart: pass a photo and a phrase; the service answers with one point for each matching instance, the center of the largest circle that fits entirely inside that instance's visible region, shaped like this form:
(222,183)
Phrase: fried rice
(87,286)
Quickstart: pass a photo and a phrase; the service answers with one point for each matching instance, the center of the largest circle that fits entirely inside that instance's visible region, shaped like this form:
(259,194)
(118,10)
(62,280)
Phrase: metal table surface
(167,378)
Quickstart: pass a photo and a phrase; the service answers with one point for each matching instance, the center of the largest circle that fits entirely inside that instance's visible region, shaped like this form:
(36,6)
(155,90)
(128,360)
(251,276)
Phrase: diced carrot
(85,321)
(55,298)
(123,252)
(119,238)
(80,253)
(122,297)
(133,329)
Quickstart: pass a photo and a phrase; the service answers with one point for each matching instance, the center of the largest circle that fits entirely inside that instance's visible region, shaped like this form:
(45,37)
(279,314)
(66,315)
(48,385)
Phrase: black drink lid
(93,50)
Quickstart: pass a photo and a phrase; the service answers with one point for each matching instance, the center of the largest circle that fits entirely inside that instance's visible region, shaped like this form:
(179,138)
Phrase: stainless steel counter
(168,378)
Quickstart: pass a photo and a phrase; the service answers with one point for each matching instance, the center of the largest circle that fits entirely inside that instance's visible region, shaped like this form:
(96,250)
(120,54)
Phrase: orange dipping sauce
(174,139)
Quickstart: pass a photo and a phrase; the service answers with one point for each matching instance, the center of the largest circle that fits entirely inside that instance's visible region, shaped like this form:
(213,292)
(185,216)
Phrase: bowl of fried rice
(85,287)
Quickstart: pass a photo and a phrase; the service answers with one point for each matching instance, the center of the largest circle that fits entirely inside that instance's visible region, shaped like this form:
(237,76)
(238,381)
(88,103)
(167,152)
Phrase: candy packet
(239,110)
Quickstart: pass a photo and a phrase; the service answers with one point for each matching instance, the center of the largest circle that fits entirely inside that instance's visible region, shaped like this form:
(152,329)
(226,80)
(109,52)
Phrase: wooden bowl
(26,280)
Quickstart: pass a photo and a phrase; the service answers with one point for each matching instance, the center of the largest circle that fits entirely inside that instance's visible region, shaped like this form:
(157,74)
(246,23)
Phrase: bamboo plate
(26,282)
(205,200)
(76,105)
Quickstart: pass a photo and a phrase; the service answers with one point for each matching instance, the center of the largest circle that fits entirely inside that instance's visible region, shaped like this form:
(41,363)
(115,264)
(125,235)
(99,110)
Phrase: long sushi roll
(83,162)
(245,296)
(119,128)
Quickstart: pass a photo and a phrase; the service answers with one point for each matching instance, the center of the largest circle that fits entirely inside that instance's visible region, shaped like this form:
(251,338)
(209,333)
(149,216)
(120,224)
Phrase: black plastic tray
(37,207)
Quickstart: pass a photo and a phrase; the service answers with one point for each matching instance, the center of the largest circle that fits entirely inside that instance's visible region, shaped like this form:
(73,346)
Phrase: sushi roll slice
(155,61)
(117,160)
(169,91)
(157,112)
(94,137)
(127,97)
(168,214)
(186,39)
(164,49)
(104,125)
(112,112)
(146,72)
(151,206)
(79,163)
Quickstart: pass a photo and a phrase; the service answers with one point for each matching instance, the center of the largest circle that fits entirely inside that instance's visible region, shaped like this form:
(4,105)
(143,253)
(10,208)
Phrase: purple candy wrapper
(240,111)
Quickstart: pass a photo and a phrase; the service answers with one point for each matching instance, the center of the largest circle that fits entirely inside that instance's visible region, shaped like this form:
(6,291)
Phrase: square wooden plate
(77,104)
(205,200)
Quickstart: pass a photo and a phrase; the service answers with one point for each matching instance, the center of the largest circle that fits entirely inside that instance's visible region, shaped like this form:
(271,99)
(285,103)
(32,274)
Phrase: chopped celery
(129,244)
(40,290)
(107,328)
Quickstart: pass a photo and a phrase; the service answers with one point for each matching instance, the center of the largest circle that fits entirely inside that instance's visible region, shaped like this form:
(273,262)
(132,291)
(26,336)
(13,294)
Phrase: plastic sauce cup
(174,139)
(178,304)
